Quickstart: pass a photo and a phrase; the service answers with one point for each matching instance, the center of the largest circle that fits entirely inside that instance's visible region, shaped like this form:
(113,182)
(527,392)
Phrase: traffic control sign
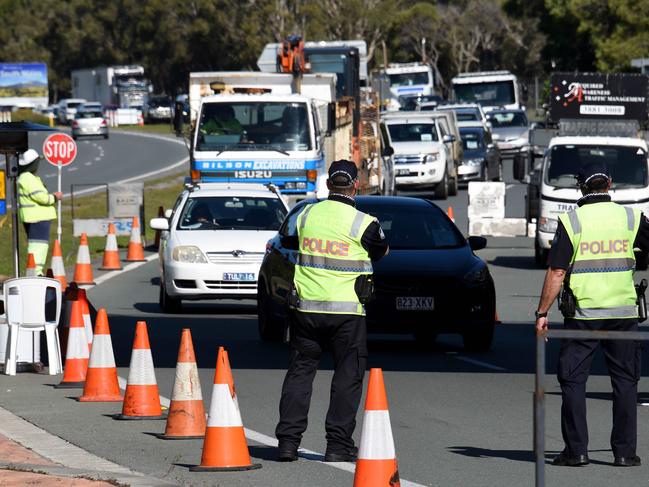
(59,149)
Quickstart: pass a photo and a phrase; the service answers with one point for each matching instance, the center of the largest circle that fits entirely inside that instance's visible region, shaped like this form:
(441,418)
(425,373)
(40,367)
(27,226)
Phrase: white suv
(214,240)
(422,152)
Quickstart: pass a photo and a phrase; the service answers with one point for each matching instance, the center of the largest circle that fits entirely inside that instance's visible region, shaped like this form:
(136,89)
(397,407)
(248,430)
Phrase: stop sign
(59,149)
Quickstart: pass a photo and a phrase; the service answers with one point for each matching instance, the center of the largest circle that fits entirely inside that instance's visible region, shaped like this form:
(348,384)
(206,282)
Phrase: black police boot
(563,460)
(633,461)
(286,452)
(348,455)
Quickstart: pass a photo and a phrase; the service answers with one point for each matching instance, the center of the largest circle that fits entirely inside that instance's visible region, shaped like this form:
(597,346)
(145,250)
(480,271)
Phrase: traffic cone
(76,356)
(451,213)
(83,268)
(497,319)
(58,269)
(30,270)
(101,380)
(376,465)
(141,399)
(225,447)
(85,313)
(135,249)
(111,253)
(186,419)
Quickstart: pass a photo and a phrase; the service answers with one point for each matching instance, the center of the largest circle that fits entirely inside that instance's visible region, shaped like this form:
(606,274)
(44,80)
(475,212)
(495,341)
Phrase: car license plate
(412,303)
(238,276)
(403,172)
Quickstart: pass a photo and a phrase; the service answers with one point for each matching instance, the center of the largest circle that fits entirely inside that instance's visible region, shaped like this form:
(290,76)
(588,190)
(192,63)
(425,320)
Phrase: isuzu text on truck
(594,117)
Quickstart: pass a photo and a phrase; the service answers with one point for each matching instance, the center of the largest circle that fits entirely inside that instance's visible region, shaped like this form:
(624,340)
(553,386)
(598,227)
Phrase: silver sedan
(89,123)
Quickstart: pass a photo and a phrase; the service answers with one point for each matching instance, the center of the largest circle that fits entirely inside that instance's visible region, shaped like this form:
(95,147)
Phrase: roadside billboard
(23,84)
(618,96)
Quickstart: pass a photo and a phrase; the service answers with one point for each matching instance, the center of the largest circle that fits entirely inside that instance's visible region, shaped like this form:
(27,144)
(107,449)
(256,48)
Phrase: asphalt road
(458,419)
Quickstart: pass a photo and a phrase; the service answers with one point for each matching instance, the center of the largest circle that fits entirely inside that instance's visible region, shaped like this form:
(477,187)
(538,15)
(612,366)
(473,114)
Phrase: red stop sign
(59,149)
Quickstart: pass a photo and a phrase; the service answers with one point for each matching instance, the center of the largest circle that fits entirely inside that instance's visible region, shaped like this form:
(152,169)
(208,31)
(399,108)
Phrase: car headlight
(477,275)
(548,225)
(189,254)
(473,162)
(431,157)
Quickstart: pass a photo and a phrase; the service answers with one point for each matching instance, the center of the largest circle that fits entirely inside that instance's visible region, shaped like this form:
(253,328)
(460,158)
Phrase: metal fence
(539,388)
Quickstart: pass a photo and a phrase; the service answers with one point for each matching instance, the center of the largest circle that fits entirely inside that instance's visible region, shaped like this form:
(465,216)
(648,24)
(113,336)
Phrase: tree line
(174,37)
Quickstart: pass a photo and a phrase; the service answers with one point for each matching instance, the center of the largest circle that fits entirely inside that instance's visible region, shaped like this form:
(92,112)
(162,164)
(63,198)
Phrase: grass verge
(157,192)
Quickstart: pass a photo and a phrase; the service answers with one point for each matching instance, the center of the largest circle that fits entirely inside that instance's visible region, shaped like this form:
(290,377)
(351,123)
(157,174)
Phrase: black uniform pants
(623,362)
(311,333)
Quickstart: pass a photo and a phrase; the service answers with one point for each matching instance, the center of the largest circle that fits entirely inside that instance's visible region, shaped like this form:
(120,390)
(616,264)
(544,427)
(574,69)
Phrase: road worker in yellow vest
(36,206)
(592,256)
(336,246)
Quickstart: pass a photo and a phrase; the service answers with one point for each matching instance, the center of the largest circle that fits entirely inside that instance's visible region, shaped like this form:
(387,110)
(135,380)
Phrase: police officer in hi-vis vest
(592,256)
(36,207)
(336,245)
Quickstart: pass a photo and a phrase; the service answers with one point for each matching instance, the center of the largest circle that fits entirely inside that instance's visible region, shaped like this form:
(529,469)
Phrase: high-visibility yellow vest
(35,203)
(330,258)
(601,274)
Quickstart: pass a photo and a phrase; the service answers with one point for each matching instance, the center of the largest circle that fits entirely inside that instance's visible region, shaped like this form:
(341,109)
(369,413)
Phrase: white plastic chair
(25,302)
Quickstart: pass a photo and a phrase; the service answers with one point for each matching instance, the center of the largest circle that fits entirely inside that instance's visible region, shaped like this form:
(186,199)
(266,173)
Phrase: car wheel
(167,303)
(499,173)
(106,137)
(483,174)
(270,328)
(479,339)
(75,137)
(441,189)
(540,255)
(452,191)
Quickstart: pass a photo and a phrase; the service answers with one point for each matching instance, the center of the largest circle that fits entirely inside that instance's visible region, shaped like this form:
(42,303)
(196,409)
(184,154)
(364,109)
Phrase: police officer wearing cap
(336,245)
(592,257)
(36,207)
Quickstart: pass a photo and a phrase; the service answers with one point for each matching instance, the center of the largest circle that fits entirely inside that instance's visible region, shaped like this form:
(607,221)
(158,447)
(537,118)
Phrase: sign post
(59,150)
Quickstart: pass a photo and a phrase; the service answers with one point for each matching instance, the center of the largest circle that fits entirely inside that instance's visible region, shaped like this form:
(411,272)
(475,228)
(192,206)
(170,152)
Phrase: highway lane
(458,419)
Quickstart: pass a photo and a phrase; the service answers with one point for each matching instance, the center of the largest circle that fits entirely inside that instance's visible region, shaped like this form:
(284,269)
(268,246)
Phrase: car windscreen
(508,119)
(231,213)
(73,104)
(256,125)
(89,114)
(408,79)
(493,93)
(412,132)
(627,165)
(472,140)
(159,102)
(466,116)
(415,227)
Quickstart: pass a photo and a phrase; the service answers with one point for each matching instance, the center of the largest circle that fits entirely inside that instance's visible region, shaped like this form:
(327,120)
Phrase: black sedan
(430,283)
(481,160)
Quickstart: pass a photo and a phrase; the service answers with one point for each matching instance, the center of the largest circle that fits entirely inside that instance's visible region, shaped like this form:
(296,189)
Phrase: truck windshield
(409,79)
(488,93)
(627,165)
(232,213)
(245,126)
(413,132)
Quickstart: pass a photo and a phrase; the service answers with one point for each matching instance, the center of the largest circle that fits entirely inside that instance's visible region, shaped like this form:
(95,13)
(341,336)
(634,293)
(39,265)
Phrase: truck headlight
(473,162)
(431,157)
(188,254)
(548,225)
(477,275)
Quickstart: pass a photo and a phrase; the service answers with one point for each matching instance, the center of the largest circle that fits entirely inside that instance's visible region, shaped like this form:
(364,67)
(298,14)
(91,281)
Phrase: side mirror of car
(495,137)
(331,118)
(447,139)
(388,151)
(159,224)
(520,166)
(477,243)
(178,119)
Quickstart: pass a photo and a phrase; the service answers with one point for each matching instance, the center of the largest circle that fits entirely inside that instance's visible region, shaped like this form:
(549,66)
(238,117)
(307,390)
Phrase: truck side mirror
(178,119)
(388,151)
(519,167)
(331,118)
(447,139)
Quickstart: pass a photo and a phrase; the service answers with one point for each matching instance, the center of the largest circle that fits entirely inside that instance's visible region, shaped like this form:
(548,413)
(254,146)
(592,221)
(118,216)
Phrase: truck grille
(235,257)
(231,285)
(409,159)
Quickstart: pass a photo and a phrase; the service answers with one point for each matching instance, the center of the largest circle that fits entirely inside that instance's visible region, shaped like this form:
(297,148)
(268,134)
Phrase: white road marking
(129,267)
(73,168)
(480,363)
(509,186)
(97,158)
(87,163)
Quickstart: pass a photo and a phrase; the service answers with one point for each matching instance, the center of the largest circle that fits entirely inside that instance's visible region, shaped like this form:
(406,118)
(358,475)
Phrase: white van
(68,109)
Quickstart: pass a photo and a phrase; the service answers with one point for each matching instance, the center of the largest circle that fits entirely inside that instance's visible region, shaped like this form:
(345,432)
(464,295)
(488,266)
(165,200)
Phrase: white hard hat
(29,156)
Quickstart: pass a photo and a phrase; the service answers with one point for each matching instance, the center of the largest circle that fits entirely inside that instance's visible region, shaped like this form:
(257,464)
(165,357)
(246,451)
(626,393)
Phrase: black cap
(342,173)
(595,171)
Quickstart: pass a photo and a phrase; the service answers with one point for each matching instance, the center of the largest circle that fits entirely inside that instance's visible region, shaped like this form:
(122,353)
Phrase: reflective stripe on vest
(602,264)
(333,264)
(347,307)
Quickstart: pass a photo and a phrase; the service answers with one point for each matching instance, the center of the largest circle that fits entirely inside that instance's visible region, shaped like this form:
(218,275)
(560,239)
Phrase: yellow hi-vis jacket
(35,203)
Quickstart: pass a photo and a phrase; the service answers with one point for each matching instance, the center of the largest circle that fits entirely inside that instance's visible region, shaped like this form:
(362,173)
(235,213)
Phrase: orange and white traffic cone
(225,447)
(58,269)
(101,380)
(76,356)
(141,399)
(376,465)
(135,249)
(83,268)
(30,270)
(85,313)
(451,213)
(111,252)
(497,319)
(186,419)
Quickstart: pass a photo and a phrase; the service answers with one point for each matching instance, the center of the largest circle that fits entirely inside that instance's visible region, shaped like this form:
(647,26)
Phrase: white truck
(491,89)
(409,79)
(594,117)
(117,86)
